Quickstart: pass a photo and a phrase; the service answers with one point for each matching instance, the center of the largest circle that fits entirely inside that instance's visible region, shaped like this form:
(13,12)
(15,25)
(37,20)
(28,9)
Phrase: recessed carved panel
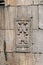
(23,36)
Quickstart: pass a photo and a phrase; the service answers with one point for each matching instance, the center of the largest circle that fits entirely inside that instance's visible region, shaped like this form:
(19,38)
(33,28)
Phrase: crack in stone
(5,50)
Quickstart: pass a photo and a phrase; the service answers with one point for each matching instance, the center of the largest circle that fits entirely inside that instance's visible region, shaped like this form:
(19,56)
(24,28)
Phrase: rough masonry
(21,32)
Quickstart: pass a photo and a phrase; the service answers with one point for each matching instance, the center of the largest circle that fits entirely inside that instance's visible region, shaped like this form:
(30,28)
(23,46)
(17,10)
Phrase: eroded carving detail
(23,35)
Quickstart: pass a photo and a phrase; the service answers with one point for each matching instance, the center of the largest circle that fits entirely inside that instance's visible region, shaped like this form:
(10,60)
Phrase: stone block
(24,13)
(34,59)
(41,17)
(21,58)
(25,59)
(2,18)
(10,17)
(18,2)
(37,41)
(18,58)
(10,2)
(10,40)
(24,2)
(2,59)
(36,2)
(40,1)
(1,40)
(35,17)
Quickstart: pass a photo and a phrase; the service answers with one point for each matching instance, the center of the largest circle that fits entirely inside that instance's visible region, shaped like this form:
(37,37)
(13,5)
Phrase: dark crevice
(2,3)
(5,50)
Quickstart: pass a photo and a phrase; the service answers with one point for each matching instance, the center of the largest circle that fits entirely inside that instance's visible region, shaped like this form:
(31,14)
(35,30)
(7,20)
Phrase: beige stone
(24,13)
(40,1)
(2,18)
(24,59)
(10,2)
(10,16)
(16,58)
(34,59)
(37,41)
(10,40)
(2,59)
(1,40)
(41,17)
(24,2)
(36,2)
(23,35)
(18,2)
(35,17)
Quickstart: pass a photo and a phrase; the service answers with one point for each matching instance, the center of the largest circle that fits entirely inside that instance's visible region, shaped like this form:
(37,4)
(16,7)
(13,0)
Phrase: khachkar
(23,30)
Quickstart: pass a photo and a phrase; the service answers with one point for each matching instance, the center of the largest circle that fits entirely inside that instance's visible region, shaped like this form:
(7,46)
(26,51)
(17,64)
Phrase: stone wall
(21,32)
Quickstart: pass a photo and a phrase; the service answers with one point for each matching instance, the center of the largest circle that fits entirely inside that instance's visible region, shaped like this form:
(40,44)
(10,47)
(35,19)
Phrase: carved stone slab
(23,36)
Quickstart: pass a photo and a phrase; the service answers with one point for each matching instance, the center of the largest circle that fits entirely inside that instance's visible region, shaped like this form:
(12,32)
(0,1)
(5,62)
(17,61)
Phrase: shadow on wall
(1,2)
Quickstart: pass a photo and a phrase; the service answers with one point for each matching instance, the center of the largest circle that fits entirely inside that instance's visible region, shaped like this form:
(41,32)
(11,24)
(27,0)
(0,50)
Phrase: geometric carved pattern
(23,36)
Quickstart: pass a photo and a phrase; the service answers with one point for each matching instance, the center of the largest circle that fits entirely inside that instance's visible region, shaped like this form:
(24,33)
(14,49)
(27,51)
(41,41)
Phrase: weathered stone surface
(2,59)
(41,1)
(34,59)
(36,1)
(24,59)
(1,40)
(41,17)
(10,16)
(24,13)
(18,2)
(13,58)
(10,36)
(10,59)
(35,17)
(24,2)
(2,18)
(6,2)
(10,2)
(23,35)
(10,40)
(37,41)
